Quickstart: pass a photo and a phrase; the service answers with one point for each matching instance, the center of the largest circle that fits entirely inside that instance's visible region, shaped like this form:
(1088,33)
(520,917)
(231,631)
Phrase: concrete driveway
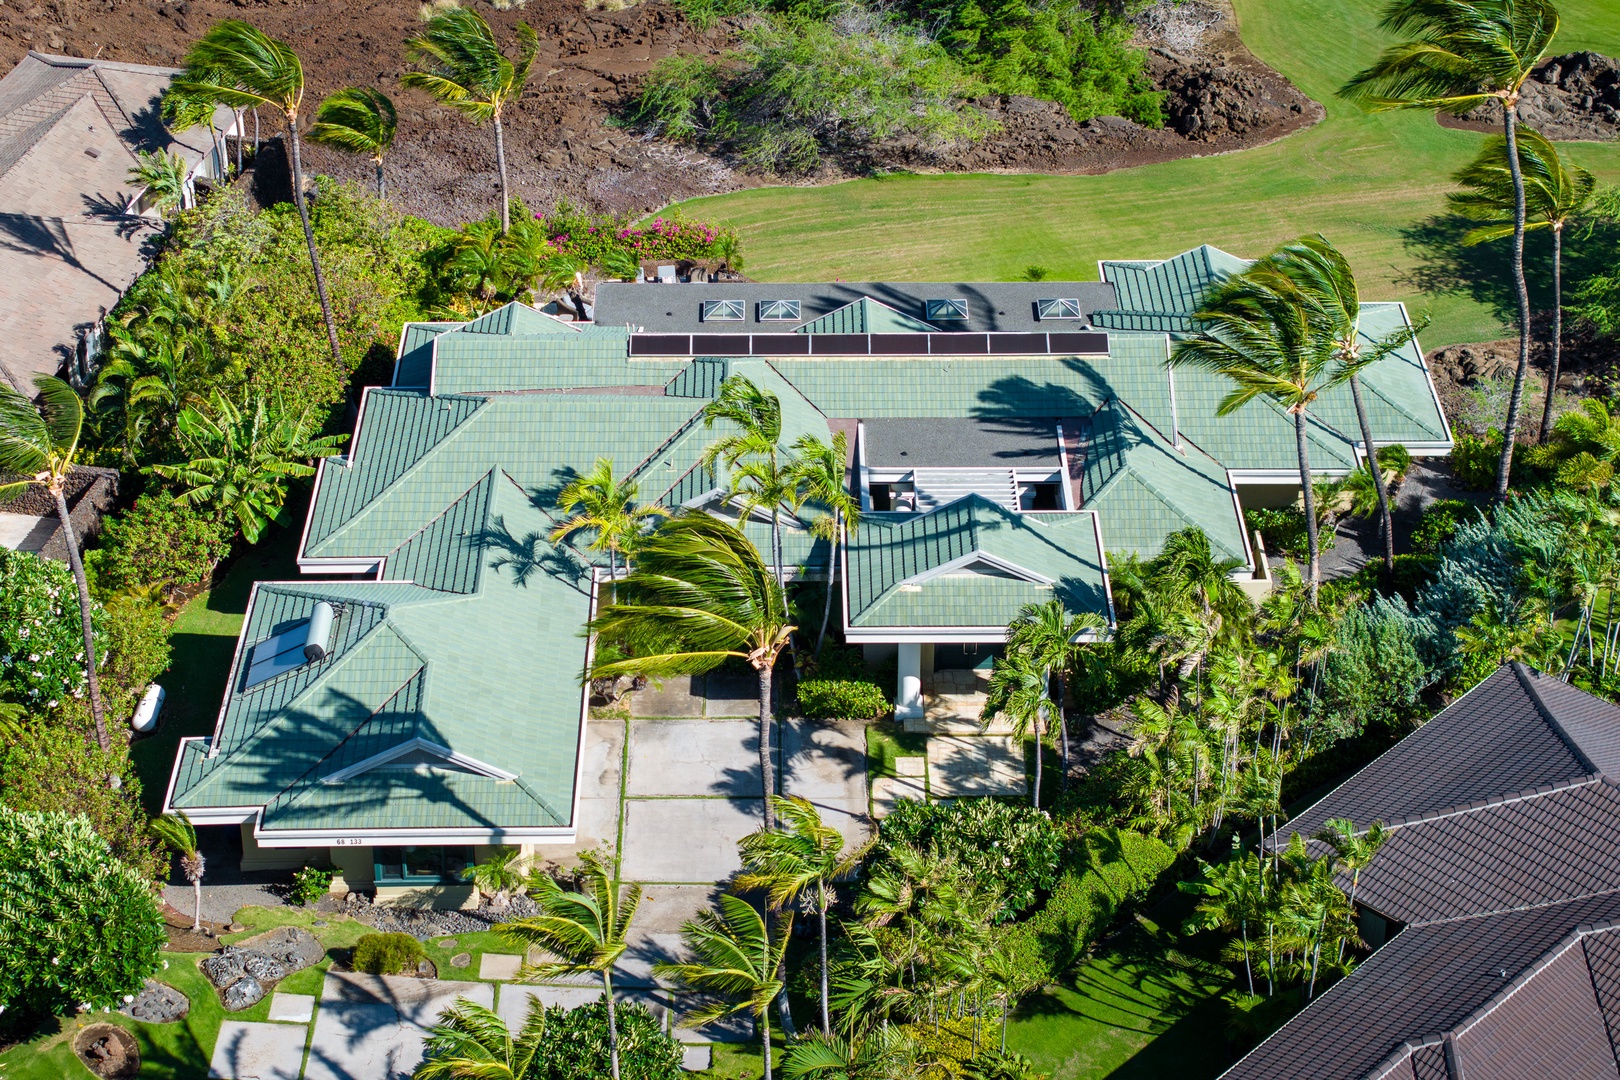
(372,1027)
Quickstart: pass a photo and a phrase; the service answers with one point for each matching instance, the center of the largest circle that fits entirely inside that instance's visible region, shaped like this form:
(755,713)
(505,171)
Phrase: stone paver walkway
(250,1051)
(371,1027)
(972,765)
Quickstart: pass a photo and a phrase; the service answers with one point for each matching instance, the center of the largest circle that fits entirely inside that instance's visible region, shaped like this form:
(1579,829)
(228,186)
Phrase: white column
(908,703)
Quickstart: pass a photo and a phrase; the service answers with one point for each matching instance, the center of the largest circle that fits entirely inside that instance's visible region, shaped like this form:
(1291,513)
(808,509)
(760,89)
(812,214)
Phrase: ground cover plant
(1373,199)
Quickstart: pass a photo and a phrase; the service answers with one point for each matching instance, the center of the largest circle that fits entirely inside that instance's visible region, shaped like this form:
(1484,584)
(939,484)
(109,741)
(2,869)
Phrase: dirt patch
(108,1051)
(1575,96)
(559,138)
(181,937)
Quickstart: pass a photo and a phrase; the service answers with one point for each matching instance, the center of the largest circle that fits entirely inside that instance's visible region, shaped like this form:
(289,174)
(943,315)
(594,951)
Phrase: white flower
(33,658)
(128,998)
(165,965)
(55,960)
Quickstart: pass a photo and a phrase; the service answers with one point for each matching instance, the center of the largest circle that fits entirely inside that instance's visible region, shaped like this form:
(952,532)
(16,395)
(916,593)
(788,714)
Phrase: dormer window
(721,311)
(1061,308)
(778,311)
(945,310)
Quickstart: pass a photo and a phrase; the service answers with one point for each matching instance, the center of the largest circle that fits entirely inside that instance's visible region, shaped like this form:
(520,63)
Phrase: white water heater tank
(146,713)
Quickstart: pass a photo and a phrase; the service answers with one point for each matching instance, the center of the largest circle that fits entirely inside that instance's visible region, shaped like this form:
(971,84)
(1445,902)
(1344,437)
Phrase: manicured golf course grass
(1365,181)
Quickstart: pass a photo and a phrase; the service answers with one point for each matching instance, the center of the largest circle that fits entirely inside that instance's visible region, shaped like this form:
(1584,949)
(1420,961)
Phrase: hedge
(842,699)
(1103,872)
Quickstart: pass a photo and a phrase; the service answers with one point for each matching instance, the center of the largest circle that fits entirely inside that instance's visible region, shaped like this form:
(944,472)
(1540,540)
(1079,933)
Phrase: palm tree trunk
(821,914)
(1510,117)
(1063,729)
(1384,515)
(500,163)
(832,579)
(239,119)
(1313,541)
(97,712)
(1006,1009)
(255,136)
(382,189)
(765,1035)
(613,1021)
(196,908)
(1247,969)
(309,238)
(1557,330)
(776,546)
(1035,797)
(767,768)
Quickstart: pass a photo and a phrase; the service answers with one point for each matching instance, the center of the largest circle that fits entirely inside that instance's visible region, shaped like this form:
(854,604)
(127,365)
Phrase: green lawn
(1139,1008)
(1372,184)
(203,643)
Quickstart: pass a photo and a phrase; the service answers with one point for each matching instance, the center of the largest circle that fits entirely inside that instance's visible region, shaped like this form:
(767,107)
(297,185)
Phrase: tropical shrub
(77,925)
(1474,459)
(1005,847)
(41,640)
(161,542)
(1102,872)
(310,883)
(596,238)
(49,765)
(576,1044)
(1373,673)
(387,954)
(1283,529)
(1437,523)
(843,699)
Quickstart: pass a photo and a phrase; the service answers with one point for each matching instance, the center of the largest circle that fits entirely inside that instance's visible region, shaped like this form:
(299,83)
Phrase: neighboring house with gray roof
(996,466)
(71,225)
(1494,905)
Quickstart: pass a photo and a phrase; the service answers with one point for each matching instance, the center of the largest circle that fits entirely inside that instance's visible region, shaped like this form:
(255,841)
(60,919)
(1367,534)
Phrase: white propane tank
(146,713)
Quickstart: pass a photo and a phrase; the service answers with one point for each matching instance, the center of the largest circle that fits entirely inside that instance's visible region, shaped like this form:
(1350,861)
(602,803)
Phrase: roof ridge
(1522,795)
(1522,672)
(1522,907)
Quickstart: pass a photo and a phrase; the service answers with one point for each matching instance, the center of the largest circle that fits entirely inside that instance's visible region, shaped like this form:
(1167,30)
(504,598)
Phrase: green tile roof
(890,551)
(415,366)
(866,316)
(1163,295)
(413,662)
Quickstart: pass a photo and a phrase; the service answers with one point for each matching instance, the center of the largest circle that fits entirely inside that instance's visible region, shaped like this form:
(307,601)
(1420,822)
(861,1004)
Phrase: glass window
(722,311)
(778,311)
(423,862)
(945,310)
(1062,308)
(439,865)
(388,865)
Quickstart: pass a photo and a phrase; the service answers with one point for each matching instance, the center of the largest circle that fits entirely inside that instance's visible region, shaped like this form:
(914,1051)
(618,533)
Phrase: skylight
(778,311)
(1061,308)
(945,310)
(722,311)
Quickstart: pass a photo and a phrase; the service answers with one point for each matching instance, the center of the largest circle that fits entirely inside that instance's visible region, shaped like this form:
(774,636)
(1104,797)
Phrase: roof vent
(92,151)
(318,638)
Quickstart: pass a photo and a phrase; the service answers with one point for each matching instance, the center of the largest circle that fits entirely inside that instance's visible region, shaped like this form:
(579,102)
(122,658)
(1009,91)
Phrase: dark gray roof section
(992,305)
(1491,744)
(1491,989)
(963,443)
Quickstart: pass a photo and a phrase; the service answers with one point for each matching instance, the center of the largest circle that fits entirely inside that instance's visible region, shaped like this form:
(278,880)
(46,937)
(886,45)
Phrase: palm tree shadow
(1482,273)
(530,554)
(36,234)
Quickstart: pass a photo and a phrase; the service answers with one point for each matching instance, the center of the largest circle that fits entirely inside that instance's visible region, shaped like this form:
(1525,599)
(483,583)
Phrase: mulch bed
(108,1051)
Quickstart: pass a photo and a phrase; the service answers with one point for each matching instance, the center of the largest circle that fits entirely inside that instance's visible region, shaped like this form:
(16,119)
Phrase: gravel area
(221,902)
(426,924)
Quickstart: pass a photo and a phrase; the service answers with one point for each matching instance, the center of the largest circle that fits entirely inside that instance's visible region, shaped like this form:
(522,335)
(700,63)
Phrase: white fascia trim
(236,659)
(584,707)
(976,557)
(979,635)
(1063,471)
(1279,476)
(410,747)
(1434,392)
(1243,524)
(863,476)
(340,566)
(303,838)
(1108,581)
(1170,381)
(219,815)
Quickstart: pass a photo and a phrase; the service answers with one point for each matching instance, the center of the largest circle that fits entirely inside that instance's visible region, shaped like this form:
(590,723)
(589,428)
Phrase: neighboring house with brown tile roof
(1495,901)
(71,224)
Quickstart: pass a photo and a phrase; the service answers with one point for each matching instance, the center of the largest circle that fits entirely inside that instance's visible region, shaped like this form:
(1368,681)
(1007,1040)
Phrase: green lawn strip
(744,1061)
(1138,1008)
(886,741)
(1361,179)
(203,642)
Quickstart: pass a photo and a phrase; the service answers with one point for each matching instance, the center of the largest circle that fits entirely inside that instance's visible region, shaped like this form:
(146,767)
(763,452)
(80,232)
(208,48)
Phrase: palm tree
(1555,192)
(738,960)
(360,120)
(174,830)
(883,1053)
(1352,851)
(1262,332)
(471,1042)
(817,471)
(39,444)
(561,272)
(242,457)
(163,175)
(589,929)
(1322,272)
(468,72)
(1020,688)
(1466,53)
(752,454)
(498,877)
(601,504)
(805,854)
(239,65)
(1050,637)
(1231,894)
(698,595)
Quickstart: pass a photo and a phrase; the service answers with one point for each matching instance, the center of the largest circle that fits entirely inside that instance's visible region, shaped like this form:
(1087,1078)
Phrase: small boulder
(461,960)
(224,967)
(242,993)
(267,969)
